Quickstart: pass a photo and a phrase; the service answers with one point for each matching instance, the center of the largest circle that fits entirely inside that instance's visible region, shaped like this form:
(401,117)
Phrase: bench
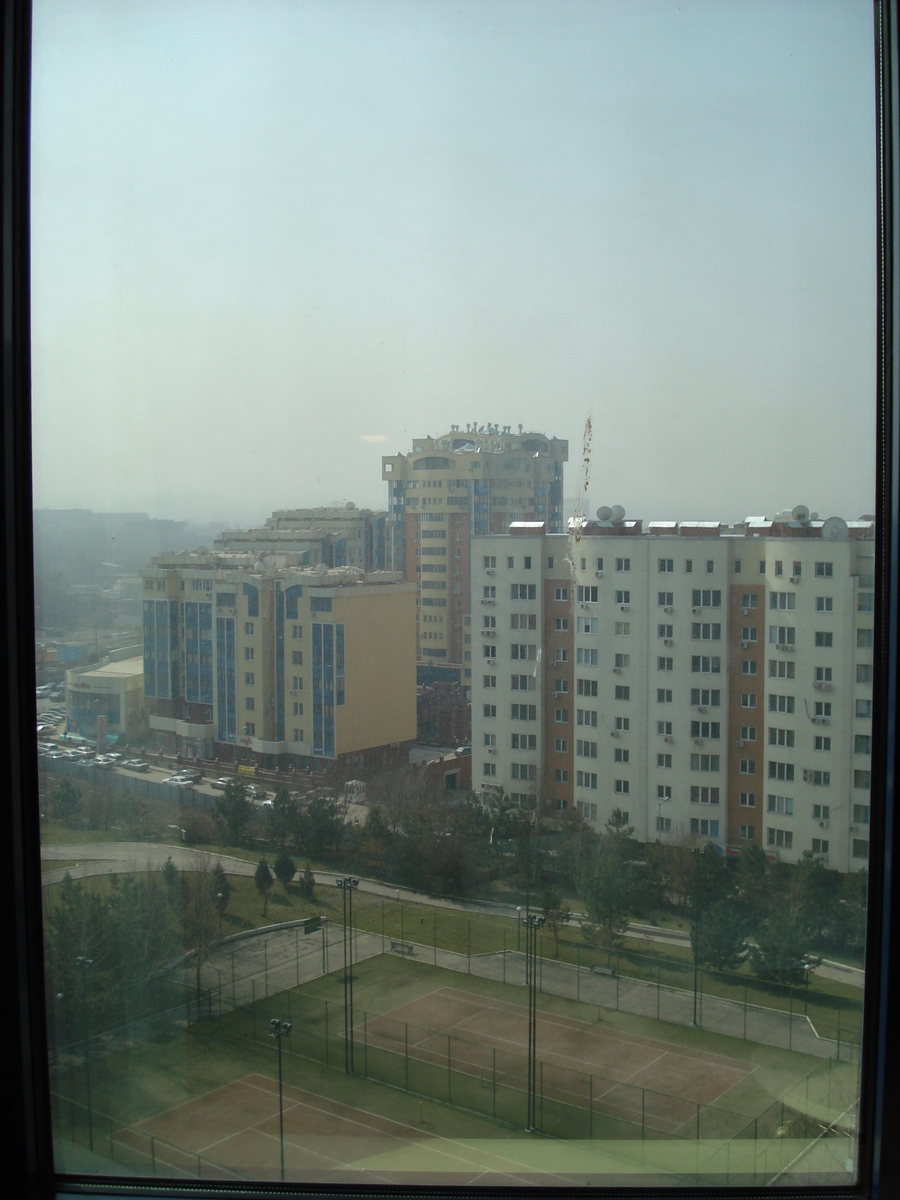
(402,947)
(602,969)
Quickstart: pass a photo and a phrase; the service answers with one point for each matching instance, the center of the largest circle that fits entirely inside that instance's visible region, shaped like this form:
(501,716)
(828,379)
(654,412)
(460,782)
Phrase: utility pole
(278,1030)
(532,925)
(348,884)
(83,965)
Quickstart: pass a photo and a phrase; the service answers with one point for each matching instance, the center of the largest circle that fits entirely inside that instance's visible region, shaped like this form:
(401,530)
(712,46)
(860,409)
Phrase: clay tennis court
(638,1079)
(233,1132)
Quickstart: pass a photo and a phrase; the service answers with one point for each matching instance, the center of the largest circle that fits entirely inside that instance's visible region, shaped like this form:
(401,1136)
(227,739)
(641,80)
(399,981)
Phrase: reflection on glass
(427,401)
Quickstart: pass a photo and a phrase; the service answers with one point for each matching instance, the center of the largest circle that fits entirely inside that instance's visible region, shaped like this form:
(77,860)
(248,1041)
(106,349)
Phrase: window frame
(27,1164)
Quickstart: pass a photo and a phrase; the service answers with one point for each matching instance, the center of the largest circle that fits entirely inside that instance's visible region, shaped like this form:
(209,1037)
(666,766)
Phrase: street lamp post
(348,884)
(83,965)
(278,1030)
(533,923)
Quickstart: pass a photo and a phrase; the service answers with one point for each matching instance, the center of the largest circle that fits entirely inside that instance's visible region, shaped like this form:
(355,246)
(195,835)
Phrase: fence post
(698,1121)
(745,1012)
(790,1016)
(434,938)
(266,965)
(504,954)
(324,927)
(657,988)
(406,1054)
(469,948)
(290,1022)
(577,973)
(401,923)
(382,927)
(643,1110)
(839,1036)
(326,1033)
(542,1095)
(494,1076)
(449,1084)
(153,1154)
(219,973)
(253,1006)
(591,1108)
(233,1004)
(199,1171)
(541,973)
(112,1152)
(617,986)
(701,997)
(365,1045)
(297,953)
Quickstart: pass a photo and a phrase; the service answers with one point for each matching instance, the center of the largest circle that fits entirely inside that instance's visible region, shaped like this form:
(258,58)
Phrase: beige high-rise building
(282,665)
(447,490)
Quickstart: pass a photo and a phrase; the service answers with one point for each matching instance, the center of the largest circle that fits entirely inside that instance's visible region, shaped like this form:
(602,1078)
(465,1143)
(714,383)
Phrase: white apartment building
(711,681)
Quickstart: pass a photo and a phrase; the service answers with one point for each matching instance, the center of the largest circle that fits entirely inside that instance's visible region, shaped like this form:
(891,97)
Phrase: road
(111,858)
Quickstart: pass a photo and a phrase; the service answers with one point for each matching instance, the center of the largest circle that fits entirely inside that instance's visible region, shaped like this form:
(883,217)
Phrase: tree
(282,817)
(234,810)
(556,912)
(284,869)
(722,936)
(320,825)
(609,885)
(66,802)
(308,883)
(781,946)
(221,892)
(263,879)
(198,911)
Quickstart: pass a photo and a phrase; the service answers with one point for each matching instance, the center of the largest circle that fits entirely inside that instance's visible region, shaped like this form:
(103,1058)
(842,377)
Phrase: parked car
(220,784)
(180,781)
(135,764)
(191,773)
(255,792)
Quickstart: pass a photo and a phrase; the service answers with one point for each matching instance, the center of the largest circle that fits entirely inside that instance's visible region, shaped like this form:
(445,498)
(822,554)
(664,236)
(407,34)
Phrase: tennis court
(658,1085)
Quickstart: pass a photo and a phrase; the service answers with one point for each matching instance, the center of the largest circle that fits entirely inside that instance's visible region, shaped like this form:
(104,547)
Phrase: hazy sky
(266,235)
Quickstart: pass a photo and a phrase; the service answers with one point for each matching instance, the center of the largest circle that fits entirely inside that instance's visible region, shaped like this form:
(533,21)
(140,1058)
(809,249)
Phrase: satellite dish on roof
(604,513)
(835,529)
(814,516)
(618,512)
(800,513)
(321,569)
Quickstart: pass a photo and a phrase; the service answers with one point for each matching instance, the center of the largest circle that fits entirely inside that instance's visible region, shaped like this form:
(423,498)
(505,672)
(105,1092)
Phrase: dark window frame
(27,1166)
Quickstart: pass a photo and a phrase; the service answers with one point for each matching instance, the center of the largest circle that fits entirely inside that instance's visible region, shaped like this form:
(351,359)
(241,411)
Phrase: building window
(249,703)
(562,775)
(622,787)
(562,716)
(747,833)
(664,760)
(623,564)
(489,681)
(664,728)
(586,779)
(824,570)
(704,828)
(561,593)
(705,762)
(822,743)
(824,604)
(586,717)
(663,695)
(560,745)
(490,768)
(664,791)
(748,666)
(623,628)
(781,839)
(623,597)
(665,565)
(250,729)
(748,799)
(748,700)
(865,602)
(666,599)
(748,766)
(862,779)
(824,639)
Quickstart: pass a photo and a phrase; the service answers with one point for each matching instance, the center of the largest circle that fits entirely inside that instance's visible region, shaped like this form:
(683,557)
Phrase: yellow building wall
(379,667)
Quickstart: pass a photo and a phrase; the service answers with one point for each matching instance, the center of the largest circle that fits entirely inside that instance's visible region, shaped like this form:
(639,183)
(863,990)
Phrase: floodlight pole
(83,964)
(348,884)
(532,924)
(696,933)
(278,1030)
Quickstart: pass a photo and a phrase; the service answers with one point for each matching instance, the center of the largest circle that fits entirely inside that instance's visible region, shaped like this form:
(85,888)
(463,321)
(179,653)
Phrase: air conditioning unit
(489,633)
(492,750)
(669,738)
(807,776)
(617,670)
(822,686)
(700,708)
(795,579)
(824,721)
(816,720)
(668,610)
(784,646)
(598,574)
(490,571)
(745,612)
(667,641)
(614,733)
(739,743)
(625,607)
(853,829)
(698,741)
(584,606)
(696,610)
(823,824)
(744,645)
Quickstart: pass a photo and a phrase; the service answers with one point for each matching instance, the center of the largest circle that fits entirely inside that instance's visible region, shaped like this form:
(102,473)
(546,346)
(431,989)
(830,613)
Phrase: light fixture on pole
(348,885)
(278,1030)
